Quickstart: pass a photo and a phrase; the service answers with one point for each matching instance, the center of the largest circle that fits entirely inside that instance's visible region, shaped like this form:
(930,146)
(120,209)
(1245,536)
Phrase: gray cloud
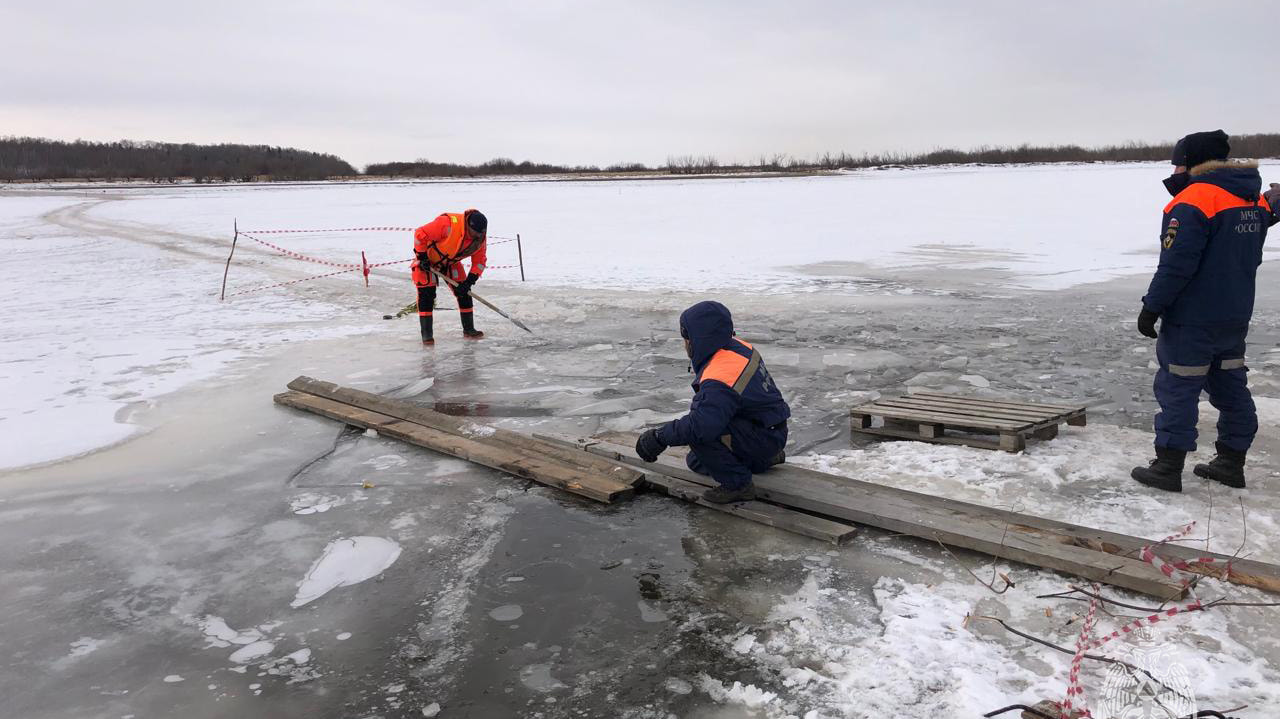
(584,82)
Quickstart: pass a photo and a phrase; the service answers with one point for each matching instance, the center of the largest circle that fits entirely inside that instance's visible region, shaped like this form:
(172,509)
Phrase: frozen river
(226,559)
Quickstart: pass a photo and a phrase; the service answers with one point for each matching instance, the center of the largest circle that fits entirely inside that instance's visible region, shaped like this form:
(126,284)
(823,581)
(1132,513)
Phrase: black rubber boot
(424,324)
(1164,472)
(469,326)
(1227,467)
(720,495)
(778,458)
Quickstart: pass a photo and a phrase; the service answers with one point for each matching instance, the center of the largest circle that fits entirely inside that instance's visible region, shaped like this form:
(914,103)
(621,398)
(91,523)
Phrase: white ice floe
(345,562)
(219,634)
(251,651)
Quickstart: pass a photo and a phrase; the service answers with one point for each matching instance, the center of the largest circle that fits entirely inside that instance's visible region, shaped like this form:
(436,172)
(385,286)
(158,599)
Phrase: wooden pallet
(929,416)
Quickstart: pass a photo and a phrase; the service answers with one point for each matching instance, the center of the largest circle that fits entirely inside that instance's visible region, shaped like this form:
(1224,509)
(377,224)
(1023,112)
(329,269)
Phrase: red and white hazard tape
(492,239)
(300,256)
(291,282)
(338,229)
(1075,691)
(1168,568)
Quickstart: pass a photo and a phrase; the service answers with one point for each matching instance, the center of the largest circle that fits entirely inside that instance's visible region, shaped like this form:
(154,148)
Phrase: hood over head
(709,328)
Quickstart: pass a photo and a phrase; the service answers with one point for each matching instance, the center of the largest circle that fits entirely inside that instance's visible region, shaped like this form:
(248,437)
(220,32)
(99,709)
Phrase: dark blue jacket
(731,381)
(1210,247)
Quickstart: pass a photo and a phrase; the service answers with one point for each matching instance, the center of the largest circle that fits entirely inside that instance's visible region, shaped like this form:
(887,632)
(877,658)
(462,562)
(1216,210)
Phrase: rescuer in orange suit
(442,244)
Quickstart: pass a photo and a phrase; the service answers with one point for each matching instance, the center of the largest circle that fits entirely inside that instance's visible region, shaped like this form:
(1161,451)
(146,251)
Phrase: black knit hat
(1201,147)
(477,222)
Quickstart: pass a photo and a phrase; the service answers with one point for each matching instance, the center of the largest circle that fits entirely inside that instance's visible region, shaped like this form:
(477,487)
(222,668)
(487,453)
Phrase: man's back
(1211,245)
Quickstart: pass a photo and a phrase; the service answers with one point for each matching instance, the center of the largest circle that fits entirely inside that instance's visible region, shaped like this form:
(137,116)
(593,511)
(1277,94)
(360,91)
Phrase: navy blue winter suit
(737,423)
(1211,245)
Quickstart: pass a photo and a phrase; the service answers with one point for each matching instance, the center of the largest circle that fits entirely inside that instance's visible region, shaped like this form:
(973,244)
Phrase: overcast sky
(604,82)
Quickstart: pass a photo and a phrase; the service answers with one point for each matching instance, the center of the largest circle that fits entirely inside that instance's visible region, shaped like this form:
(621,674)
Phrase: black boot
(424,324)
(469,326)
(778,458)
(720,495)
(1165,471)
(1227,467)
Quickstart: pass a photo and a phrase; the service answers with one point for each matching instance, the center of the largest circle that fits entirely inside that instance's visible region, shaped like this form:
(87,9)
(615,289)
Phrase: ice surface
(345,562)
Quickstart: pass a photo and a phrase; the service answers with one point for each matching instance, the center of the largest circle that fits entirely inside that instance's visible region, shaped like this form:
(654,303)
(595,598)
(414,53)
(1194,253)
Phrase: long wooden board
(920,515)
(529,466)
(494,436)
(760,512)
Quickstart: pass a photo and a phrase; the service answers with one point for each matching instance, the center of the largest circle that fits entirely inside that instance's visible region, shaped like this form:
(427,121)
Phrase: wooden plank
(994,413)
(944,439)
(894,406)
(997,402)
(772,515)
(529,466)
(760,512)
(501,438)
(943,417)
(948,521)
(1245,572)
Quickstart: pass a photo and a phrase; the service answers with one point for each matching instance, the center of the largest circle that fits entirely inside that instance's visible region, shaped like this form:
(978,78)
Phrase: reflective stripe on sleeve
(748,372)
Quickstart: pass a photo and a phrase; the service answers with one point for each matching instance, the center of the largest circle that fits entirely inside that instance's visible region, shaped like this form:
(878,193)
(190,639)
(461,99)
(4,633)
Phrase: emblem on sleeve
(1170,234)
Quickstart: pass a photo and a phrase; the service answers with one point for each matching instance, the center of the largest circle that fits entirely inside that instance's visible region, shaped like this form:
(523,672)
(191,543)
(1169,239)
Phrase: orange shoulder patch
(1209,199)
(725,366)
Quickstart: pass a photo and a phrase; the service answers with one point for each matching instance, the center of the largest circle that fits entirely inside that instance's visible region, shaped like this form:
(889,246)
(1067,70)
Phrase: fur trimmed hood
(1239,177)
(1212,165)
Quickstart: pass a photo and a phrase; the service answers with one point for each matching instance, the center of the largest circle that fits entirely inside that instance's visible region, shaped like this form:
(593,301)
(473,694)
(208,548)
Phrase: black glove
(1147,323)
(1273,198)
(649,446)
(464,287)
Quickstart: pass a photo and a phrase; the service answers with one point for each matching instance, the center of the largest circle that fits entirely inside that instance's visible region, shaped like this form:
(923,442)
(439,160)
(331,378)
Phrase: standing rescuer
(1210,248)
(442,244)
(737,422)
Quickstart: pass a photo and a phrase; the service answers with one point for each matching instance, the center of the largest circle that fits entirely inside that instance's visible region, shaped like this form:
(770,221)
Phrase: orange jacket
(444,241)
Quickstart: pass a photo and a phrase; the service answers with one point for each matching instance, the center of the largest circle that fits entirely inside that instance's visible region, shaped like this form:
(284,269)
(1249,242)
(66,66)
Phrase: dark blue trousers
(1194,358)
(747,448)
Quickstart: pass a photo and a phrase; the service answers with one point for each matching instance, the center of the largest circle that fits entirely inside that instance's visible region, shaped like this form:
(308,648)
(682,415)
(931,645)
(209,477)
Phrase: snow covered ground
(231,559)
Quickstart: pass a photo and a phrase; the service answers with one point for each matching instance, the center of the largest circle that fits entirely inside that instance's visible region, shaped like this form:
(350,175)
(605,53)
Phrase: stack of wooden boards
(814,504)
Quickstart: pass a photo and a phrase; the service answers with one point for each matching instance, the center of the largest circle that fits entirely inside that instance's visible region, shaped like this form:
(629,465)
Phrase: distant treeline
(30,158)
(1254,146)
(25,158)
